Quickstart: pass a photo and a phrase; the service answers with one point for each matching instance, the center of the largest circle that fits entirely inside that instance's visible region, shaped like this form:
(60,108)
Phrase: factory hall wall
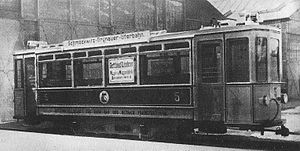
(54,21)
(9,41)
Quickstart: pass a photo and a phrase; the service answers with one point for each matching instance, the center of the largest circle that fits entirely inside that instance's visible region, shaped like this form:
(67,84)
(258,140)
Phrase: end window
(237,60)
(261,59)
(274,59)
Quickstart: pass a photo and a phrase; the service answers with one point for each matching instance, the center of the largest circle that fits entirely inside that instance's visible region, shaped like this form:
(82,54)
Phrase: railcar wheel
(283,131)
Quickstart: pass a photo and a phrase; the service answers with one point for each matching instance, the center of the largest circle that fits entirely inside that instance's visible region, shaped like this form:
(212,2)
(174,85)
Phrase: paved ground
(28,141)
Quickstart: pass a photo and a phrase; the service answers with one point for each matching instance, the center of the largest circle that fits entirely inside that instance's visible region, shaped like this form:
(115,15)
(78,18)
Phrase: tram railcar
(152,82)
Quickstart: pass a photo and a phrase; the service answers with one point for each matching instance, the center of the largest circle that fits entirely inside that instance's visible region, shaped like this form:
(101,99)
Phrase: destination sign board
(135,37)
(121,70)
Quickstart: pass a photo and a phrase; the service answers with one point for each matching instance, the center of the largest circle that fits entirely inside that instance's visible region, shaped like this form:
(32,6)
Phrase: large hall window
(237,60)
(174,15)
(84,11)
(123,13)
(145,15)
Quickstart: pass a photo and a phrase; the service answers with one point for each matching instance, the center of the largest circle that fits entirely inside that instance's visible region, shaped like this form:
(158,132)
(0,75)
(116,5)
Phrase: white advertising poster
(121,70)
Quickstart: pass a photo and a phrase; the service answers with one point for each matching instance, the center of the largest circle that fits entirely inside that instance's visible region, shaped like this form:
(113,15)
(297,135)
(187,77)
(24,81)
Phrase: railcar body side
(203,79)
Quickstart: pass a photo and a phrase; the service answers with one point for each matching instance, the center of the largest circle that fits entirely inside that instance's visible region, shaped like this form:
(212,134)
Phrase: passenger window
(19,73)
(55,74)
(165,68)
(261,59)
(88,72)
(237,60)
(211,57)
(274,59)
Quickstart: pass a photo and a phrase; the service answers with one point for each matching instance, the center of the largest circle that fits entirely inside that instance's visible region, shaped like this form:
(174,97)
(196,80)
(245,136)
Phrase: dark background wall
(57,20)
(54,21)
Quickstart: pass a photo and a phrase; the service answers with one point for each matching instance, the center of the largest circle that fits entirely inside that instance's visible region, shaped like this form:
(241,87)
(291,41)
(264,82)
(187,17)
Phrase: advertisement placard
(121,70)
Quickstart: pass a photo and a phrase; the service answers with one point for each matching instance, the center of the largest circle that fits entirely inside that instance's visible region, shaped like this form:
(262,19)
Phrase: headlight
(284,98)
(264,100)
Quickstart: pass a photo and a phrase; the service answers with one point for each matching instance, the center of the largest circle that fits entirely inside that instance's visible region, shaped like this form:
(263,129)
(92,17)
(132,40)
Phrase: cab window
(237,60)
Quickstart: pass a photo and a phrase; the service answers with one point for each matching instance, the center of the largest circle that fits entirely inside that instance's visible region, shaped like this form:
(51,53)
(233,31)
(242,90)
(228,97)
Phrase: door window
(19,73)
(30,72)
(211,57)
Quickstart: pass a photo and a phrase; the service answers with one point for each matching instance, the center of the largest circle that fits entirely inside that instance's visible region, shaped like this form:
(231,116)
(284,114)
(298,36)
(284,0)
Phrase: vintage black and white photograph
(149,75)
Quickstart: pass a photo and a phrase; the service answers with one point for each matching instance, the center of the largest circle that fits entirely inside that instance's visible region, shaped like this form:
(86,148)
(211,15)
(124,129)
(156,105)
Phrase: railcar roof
(163,37)
(206,31)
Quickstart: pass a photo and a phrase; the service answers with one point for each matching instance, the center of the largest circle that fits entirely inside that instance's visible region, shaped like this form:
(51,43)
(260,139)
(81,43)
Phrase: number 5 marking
(176,97)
